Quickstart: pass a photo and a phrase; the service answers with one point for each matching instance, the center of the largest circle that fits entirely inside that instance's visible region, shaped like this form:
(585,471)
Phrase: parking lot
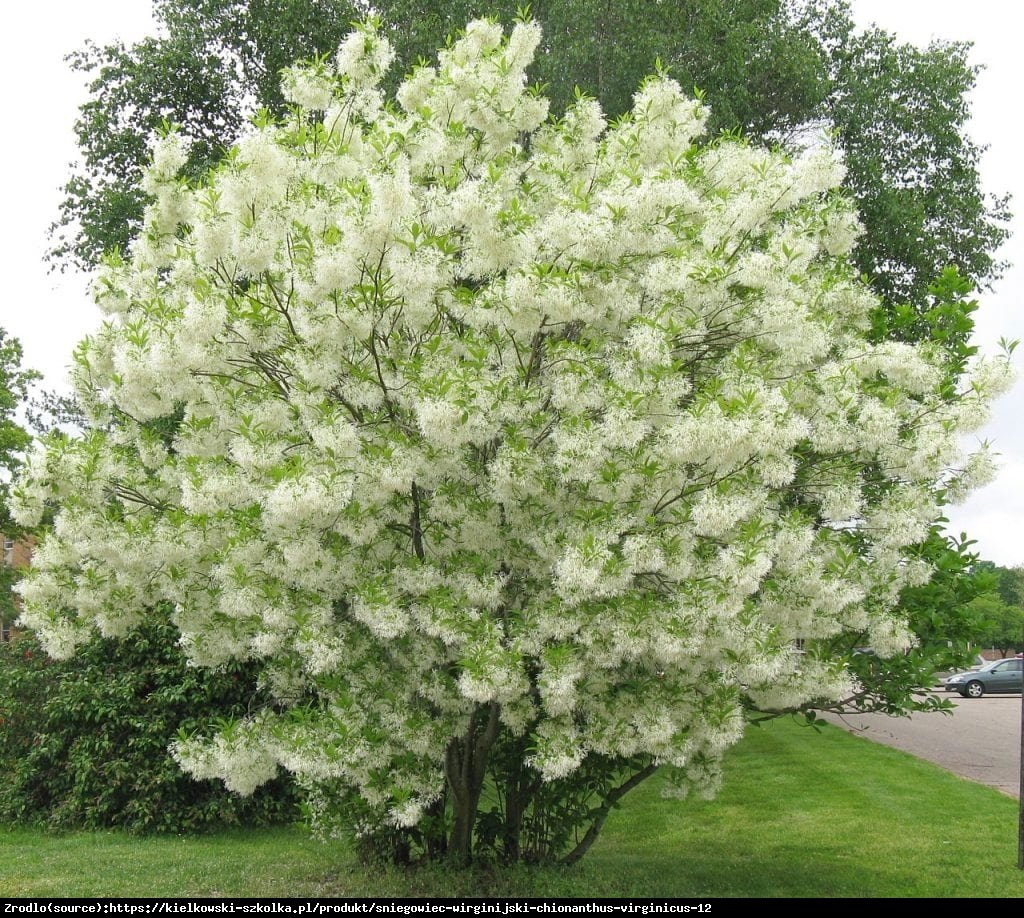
(980,740)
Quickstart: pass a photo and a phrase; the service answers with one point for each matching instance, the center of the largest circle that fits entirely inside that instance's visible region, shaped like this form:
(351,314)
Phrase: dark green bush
(84,742)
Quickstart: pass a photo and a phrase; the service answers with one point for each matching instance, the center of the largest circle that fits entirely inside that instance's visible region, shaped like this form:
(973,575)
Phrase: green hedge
(84,742)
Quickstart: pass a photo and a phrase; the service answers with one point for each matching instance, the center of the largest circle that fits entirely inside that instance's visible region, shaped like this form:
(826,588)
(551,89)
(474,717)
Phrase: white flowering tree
(520,454)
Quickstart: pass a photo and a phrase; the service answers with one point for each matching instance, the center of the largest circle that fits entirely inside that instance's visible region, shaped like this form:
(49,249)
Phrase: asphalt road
(979,741)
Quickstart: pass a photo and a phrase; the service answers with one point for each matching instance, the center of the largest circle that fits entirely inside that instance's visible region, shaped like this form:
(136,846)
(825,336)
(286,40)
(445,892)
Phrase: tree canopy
(1001,625)
(900,114)
(509,449)
(999,611)
(773,70)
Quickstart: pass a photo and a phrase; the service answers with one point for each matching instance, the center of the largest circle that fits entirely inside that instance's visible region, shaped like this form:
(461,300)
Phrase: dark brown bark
(466,768)
(436,842)
(522,784)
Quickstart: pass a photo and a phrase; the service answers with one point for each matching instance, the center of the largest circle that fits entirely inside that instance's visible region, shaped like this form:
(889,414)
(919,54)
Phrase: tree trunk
(465,768)
(436,842)
(515,805)
(522,786)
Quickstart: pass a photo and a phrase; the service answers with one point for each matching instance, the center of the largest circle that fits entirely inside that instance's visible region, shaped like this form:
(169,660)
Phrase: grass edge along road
(802,813)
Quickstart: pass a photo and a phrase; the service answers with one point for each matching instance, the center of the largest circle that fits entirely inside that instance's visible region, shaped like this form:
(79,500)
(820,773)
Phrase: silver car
(997,676)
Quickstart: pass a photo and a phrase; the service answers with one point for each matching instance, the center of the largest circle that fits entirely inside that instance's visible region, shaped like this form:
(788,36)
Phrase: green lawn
(802,814)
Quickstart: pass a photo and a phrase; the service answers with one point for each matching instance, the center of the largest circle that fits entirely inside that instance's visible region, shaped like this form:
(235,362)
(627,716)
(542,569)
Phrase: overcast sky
(50,313)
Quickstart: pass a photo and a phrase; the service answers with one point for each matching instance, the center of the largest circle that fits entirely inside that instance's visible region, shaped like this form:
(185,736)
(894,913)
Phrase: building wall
(14,553)
(17,552)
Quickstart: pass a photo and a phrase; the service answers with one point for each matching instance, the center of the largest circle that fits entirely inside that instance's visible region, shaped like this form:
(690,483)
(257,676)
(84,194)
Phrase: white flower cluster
(444,408)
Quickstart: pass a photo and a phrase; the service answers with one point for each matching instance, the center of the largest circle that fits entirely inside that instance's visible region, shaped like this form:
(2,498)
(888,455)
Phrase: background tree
(759,65)
(1009,582)
(1001,608)
(900,114)
(1001,625)
(212,64)
(516,453)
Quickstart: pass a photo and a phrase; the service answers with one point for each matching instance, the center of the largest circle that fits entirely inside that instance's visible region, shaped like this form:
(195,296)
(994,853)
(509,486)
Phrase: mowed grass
(802,814)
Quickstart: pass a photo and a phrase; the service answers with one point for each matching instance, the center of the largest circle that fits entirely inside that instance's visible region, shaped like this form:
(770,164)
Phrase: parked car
(997,676)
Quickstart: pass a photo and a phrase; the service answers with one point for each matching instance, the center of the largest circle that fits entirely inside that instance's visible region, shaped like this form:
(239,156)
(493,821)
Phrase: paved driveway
(980,740)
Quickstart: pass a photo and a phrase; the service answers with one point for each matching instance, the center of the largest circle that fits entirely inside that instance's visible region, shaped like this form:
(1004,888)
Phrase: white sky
(50,313)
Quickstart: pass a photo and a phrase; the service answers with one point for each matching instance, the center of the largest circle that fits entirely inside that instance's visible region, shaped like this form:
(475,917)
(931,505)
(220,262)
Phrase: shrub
(84,742)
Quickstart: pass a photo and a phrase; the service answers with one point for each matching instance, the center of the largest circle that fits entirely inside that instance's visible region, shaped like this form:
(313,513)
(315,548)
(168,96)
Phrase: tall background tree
(900,114)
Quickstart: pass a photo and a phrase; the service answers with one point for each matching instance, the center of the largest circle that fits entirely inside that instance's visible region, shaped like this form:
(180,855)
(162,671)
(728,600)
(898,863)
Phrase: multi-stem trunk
(519,785)
(466,768)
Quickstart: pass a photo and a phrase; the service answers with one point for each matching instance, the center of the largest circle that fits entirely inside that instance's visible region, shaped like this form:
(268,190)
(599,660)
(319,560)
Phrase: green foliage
(84,743)
(1009,582)
(756,64)
(997,611)
(210,65)
(940,610)
(946,620)
(900,115)
(8,610)
(1000,625)
(944,315)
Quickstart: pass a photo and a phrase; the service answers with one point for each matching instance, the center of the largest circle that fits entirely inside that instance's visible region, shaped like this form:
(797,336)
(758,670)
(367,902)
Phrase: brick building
(16,553)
